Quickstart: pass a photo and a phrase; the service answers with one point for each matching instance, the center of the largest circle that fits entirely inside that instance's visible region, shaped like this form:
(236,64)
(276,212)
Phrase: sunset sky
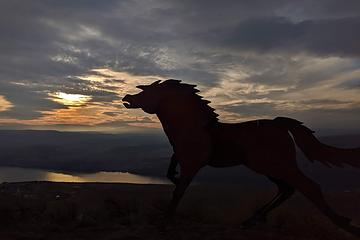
(67,64)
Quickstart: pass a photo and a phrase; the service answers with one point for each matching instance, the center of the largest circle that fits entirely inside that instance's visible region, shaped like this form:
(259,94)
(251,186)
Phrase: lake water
(13,174)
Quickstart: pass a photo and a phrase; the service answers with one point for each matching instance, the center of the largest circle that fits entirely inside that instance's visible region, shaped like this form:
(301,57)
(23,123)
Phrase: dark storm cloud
(351,84)
(328,117)
(324,101)
(148,30)
(198,12)
(325,27)
(336,37)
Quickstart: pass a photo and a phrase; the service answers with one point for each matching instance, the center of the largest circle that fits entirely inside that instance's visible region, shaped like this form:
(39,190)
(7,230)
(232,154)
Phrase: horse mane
(187,93)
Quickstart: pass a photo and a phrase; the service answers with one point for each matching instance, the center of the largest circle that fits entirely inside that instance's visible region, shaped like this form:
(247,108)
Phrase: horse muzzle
(128,101)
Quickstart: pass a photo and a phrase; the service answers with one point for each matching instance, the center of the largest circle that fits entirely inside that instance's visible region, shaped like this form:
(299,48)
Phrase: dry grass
(122,211)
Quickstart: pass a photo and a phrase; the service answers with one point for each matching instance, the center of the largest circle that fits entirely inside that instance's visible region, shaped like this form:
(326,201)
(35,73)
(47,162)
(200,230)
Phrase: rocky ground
(45,210)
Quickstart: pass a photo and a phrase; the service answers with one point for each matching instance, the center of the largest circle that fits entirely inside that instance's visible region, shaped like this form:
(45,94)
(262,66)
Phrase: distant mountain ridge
(148,154)
(81,152)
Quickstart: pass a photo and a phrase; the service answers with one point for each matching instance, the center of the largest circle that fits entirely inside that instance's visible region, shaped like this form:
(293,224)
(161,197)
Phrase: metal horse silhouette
(265,146)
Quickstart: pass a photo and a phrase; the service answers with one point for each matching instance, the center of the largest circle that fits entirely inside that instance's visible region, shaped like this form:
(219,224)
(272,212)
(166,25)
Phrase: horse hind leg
(313,192)
(285,191)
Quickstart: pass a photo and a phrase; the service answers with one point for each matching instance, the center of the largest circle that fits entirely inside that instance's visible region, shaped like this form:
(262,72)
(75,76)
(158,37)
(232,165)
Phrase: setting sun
(70,99)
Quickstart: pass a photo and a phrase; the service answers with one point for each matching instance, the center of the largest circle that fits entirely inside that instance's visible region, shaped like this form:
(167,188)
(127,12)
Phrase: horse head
(174,99)
(148,99)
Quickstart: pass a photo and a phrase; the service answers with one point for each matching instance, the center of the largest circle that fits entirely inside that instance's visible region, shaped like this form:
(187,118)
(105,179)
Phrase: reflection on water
(12,174)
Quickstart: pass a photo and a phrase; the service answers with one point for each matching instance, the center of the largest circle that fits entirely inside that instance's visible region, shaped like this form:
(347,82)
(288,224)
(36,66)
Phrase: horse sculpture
(265,146)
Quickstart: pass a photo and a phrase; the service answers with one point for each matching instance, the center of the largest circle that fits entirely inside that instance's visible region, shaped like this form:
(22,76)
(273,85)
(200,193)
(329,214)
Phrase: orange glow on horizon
(4,104)
(82,110)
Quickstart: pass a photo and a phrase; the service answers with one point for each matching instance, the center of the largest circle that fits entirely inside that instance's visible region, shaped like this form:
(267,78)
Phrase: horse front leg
(189,166)
(181,186)
(171,173)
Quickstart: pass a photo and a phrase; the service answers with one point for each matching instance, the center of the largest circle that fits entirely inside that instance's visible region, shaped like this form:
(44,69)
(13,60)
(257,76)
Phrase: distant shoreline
(18,174)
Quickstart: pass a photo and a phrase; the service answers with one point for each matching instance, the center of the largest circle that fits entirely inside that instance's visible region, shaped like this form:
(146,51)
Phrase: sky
(67,64)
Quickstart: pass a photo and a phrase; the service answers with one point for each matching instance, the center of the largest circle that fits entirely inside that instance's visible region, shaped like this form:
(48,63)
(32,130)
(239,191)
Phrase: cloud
(317,113)
(283,51)
(328,37)
(27,103)
(4,104)
(351,84)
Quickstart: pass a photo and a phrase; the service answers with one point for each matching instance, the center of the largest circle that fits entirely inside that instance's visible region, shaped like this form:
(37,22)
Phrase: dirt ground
(45,210)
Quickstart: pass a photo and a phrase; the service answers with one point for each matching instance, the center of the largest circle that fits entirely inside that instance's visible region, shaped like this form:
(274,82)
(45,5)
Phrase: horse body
(243,143)
(264,145)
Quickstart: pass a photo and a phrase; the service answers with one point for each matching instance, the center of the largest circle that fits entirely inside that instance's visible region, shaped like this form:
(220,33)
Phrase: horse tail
(314,150)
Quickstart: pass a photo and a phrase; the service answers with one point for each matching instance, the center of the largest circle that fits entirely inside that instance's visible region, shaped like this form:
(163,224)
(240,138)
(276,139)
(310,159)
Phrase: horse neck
(185,118)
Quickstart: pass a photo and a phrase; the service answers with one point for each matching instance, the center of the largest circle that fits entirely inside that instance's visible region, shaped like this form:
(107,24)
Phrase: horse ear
(155,83)
(142,87)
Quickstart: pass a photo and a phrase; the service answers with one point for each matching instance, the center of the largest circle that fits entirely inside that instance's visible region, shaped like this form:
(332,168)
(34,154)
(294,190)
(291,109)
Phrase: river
(15,174)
